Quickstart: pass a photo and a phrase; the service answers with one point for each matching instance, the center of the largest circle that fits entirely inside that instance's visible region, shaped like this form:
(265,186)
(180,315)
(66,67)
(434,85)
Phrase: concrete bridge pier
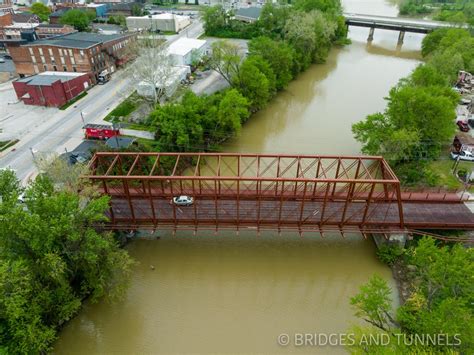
(401,36)
(399,239)
(371,34)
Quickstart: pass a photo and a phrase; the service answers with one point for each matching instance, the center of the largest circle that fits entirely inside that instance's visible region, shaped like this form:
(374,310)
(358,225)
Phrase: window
(33,59)
(81,53)
(41,51)
(36,69)
(74,69)
(92,58)
(64,68)
(73,61)
(70,52)
(60,52)
(42,59)
(62,60)
(55,68)
(50,51)
(30,50)
(45,68)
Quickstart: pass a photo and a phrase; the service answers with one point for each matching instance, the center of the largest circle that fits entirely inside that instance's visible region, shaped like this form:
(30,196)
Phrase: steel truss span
(263,191)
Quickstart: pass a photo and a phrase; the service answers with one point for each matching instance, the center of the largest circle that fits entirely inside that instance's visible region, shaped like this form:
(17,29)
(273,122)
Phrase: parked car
(463,126)
(182,200)
(463,155)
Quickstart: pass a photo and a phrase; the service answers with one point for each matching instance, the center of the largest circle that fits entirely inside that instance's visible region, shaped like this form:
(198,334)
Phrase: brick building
(52,89)
(50,30)
(6,6)
(80,52)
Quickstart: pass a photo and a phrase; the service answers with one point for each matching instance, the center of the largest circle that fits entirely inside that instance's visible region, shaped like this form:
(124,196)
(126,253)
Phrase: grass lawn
(151,145)
(125,108)
(443,168)
(7,144)
(74,100)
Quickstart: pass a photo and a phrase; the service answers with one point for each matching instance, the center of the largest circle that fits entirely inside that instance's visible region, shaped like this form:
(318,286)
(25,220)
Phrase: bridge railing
(435,194)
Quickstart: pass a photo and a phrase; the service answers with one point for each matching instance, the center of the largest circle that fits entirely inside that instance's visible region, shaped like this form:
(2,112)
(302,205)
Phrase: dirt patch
(401,272)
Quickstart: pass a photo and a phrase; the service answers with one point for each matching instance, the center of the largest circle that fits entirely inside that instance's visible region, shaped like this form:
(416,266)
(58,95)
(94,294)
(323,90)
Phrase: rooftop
(118,142)
(79,40)
(163,16)
(185,45)
(51,25)
(249,12)
(49,77)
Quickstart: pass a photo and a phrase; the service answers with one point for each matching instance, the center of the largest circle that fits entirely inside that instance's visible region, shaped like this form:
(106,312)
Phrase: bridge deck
(311,214)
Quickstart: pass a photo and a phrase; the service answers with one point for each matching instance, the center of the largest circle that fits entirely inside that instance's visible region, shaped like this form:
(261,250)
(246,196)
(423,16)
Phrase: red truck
(100,131)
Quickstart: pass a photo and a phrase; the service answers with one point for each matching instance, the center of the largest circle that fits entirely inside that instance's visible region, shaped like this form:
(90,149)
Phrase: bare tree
(153,67)
(226,59)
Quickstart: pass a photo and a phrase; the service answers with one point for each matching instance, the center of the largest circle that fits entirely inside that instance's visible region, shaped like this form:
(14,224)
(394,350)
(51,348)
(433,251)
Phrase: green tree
(233,110)
(137,10)
(272,20)
(214,19)
(226,59)
(253,83)
(41,10)
(278,54)
(321,5)
(373,304)
(441,301)
(301,35)
(52,257)
(79,19)
(417,122)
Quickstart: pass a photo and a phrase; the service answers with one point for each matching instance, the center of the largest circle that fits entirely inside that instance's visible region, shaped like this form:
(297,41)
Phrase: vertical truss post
(194,206)
(106,191)
(337,174)
(317,175)
(281,204)
(364,217)
(277,176)
(300,222)
(400,206)
(298,167)
(172,202)
(348,200)
(219,172)
(325,201)
(215,203)
(129,199)
(238,202)
(152,206)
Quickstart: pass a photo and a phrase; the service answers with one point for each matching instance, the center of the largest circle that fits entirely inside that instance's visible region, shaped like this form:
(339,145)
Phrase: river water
(236,294)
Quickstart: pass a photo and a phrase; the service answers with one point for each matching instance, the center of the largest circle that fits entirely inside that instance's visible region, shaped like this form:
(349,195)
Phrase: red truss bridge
(303,193)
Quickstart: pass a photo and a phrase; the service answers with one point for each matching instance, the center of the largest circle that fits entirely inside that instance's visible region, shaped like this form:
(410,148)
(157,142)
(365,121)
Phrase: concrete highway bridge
(303,193)
(396,24)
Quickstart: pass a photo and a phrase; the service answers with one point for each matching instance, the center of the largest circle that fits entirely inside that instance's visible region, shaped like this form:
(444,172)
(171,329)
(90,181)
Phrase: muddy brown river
(237,294)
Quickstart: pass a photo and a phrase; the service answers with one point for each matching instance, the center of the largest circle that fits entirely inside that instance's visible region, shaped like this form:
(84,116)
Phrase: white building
(163,22)
(185,50)
(180,72)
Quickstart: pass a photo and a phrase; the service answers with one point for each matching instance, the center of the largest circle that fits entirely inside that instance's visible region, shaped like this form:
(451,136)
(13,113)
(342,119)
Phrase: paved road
(64,130)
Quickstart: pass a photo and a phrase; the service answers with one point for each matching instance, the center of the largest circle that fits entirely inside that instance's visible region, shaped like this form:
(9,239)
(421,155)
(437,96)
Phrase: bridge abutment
(397,239)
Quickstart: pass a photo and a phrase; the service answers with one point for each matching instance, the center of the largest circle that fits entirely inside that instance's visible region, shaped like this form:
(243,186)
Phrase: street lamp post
(83,121)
